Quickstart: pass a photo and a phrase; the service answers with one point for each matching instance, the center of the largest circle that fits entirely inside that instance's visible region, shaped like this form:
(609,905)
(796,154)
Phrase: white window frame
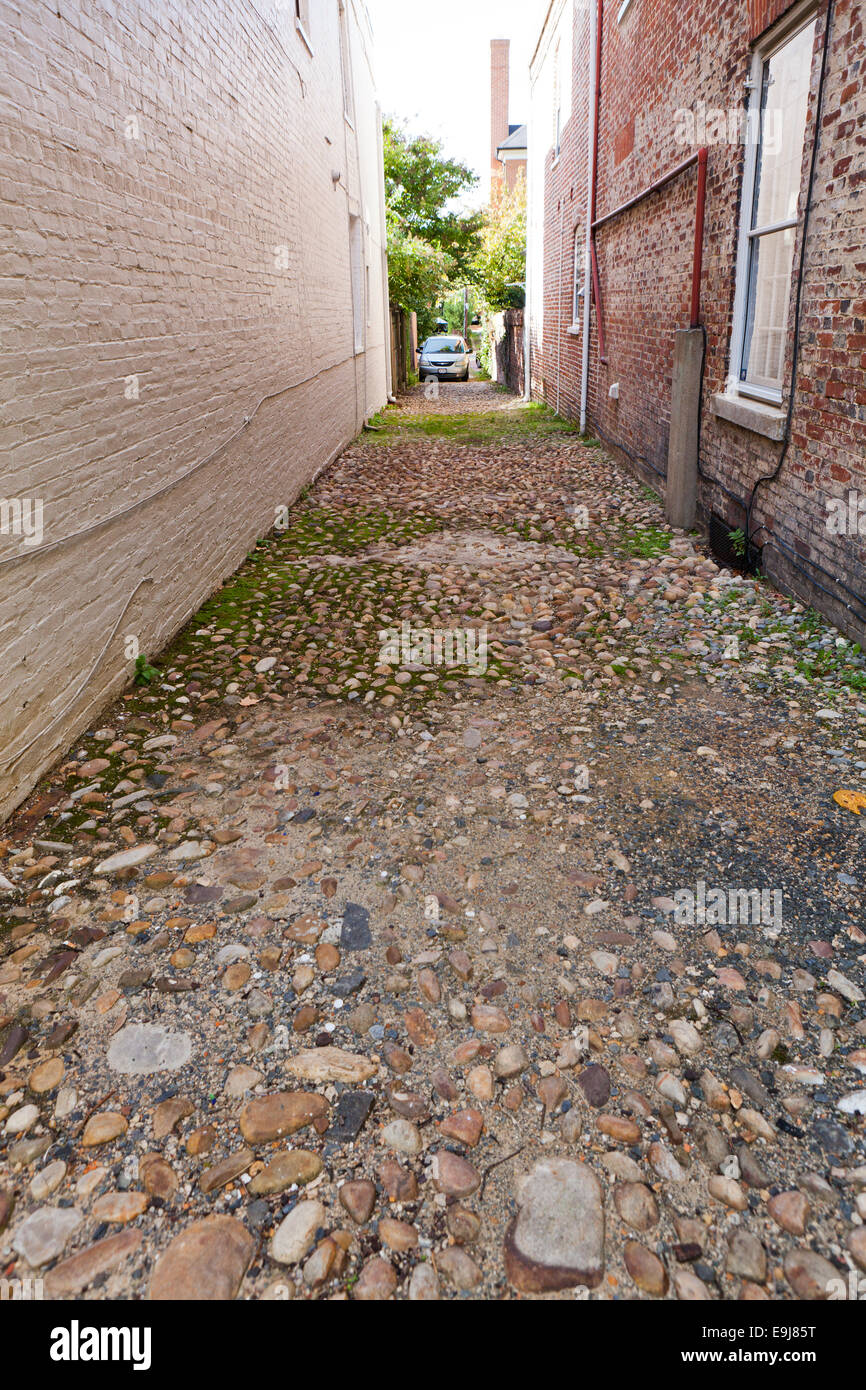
(346,67)
(557,107)
(578,288)
(357,276)
(302,22)
(798,20)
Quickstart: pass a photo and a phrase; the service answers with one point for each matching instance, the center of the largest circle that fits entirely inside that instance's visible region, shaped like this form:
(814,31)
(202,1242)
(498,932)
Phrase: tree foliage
(430,246)
(499,268)
(417,271)
(420,183)
(452,309)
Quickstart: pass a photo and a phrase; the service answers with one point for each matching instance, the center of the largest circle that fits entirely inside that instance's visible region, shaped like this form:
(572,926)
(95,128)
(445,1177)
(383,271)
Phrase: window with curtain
(577,299)
(557,105)
(346,65)
(780,100)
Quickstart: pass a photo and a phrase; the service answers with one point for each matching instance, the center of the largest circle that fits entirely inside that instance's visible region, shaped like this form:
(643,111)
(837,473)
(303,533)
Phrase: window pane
(784,106)
(356,249)
(770,269)
(346,62)
(577,300)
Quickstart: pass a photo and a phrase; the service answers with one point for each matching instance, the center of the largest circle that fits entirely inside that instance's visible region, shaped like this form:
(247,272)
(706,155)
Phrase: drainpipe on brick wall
(591,155)
(383,269)
(529,302)
(559,323)
(365,251)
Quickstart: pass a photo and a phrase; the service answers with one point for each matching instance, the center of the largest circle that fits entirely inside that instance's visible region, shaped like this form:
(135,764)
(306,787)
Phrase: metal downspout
(591,149)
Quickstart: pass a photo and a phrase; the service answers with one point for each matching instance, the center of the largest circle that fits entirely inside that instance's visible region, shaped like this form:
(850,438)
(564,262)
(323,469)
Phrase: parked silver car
(444,358)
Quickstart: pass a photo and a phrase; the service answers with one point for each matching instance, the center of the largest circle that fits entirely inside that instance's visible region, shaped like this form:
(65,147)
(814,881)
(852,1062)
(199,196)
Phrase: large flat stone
(206,1262)
(79,1271)
(557,1239)
(296,1235)
(285,1170)
(223,1172)
(331,1064)
(273,1117)
(356,934)
(353,1107)
(44,1235)
(126,859)
(142,1050)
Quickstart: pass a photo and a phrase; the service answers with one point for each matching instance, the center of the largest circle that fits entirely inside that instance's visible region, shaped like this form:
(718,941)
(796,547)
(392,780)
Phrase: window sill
(767,420)
(303,33)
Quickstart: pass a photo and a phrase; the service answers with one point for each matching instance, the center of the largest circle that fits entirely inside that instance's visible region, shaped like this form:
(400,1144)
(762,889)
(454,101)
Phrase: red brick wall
(664,57)
(557,356)
(514,170)
(763,13)
(673,54)
(499,55)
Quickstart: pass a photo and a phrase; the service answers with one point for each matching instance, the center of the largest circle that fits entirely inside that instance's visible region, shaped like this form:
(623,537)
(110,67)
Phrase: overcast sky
(433,68)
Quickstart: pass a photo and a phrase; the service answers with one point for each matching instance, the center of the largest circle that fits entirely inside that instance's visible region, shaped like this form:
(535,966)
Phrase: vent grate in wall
(726,550)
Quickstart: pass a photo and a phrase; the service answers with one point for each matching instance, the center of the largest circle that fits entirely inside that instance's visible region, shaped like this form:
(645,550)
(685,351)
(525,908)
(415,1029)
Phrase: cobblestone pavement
(469,905)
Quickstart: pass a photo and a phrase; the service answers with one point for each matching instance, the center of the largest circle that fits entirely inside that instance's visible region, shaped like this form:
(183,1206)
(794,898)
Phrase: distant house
(512,155)
(508,148)
(733,347)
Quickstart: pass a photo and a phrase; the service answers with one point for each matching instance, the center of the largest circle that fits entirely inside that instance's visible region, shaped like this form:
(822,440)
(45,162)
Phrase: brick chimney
(499,56)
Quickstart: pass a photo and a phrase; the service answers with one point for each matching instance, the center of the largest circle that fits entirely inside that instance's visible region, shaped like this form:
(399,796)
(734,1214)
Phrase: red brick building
(625,97)
(507,141)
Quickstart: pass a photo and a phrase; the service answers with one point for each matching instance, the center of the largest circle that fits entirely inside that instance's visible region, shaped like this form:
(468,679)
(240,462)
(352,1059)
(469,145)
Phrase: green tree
(499,268)
(452,309)
(430,246)
(417,273)
(420,183)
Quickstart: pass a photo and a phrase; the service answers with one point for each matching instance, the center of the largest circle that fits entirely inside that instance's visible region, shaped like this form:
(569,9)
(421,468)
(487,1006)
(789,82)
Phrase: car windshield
(444,345)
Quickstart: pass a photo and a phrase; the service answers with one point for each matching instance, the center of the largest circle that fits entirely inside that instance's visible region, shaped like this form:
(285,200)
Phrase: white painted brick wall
(169,213)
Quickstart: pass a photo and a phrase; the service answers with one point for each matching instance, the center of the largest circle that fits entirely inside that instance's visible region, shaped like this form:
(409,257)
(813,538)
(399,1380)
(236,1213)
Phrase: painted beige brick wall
(178,260)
